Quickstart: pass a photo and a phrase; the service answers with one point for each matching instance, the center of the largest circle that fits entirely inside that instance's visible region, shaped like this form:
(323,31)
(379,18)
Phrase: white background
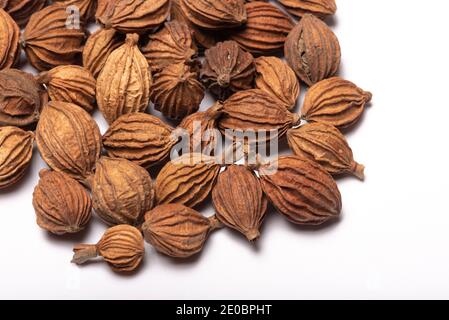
(392,241)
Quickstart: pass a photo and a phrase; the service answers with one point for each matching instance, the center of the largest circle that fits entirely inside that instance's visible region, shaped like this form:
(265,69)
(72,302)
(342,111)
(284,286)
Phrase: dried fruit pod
(72,84)
(335,101)
(176,91)
(85,8)
(141,138)
(176,230)
(21,10)
(215,14)
(68,139)
(123,85)
(227,69)
(9,41)
(319,8)
(266,29)
(16,151)
(49,41)
(61,204)
(301,190)
(122,247)
(277,79)
(312,50)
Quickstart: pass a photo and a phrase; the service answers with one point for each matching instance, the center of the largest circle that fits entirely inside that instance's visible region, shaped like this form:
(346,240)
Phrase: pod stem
(252,235)
(84,252)
(215,223)
(358,170)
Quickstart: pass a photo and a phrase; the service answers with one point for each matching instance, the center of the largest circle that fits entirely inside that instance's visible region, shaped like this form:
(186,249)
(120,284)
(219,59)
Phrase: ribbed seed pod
(335,101)
(177,231)
(61,204)
(68,139)
(227,69)
(312,50)
(103,6)
(319,8)
(123,85)
(86,8)
(72,84)
(301,190)
(176,91)
(9,41)
(277,79)
(122,247)
(16,150)
(21,10)
(266,29)
(141,138)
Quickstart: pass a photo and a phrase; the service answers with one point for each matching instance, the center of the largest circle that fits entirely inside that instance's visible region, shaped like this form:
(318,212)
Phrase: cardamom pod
(319,8)
(85,8)
(9,41)
(21,10)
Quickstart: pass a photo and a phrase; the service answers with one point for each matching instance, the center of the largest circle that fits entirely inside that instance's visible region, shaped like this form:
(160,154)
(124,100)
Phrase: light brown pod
(68,139)
(312,50)
(277,79)
(122,247)
(141,138)
(176,91)
(72,84)
(85,8)
(123,85)
(301,190)
(176,230)
(335,101)
(319,8)
(9,41)
(21,10)
(61,204)
(227,69)
(16,151)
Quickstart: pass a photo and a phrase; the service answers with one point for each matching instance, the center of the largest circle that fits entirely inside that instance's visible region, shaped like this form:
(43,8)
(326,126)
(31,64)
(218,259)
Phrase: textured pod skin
(123,85)
(86,8)
(16,151)
(266,29)
(335,101)
(48,42)
(227,69)
(141,138)
(68,139)
(215,14)
(176,91)
(122,247)
(312,50)
(326,145)
(61,204)
(9,41)
(277,79)
(73,84)
(301,190)
(239,201)
(319,8)
(21,10)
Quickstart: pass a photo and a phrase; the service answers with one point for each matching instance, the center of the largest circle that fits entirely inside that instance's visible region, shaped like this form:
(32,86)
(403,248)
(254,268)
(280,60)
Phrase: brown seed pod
(72,84)
(68,139)
(16,150)
(122,191)
(21,10)
(103,6)
(319,8)
(123,85)
(122,247)
(9,41)
(141,138)
(177,231)
(61,204)
(49,42)
(335,101)
(277,79)
(85,8)
(301,190)
(227,69)
(312,50)
(176,91)
(266,29)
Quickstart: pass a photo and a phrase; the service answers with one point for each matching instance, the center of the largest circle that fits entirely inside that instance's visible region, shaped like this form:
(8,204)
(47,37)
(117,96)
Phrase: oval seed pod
(141,138)
(123,85)
(319,8)
(122,191)
(122,247)
(312,50)
(61,204)
(16,151)
(68,139)
(335,101)
(9,41)
(176,230)
(85,8)
(21,10)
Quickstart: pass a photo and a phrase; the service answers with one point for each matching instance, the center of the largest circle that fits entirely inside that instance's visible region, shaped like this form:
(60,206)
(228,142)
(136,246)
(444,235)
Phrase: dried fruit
(85,8)
(319,8)
(123,85)
(62,205)
(21,10)
(176,230)
(16,150)
(312,50)
(68,139)
(335,101)
(122,247)
(9,41)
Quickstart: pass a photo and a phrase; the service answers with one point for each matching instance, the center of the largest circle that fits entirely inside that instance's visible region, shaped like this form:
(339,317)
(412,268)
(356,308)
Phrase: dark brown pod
(21,10)
(9,41)
(319,8)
